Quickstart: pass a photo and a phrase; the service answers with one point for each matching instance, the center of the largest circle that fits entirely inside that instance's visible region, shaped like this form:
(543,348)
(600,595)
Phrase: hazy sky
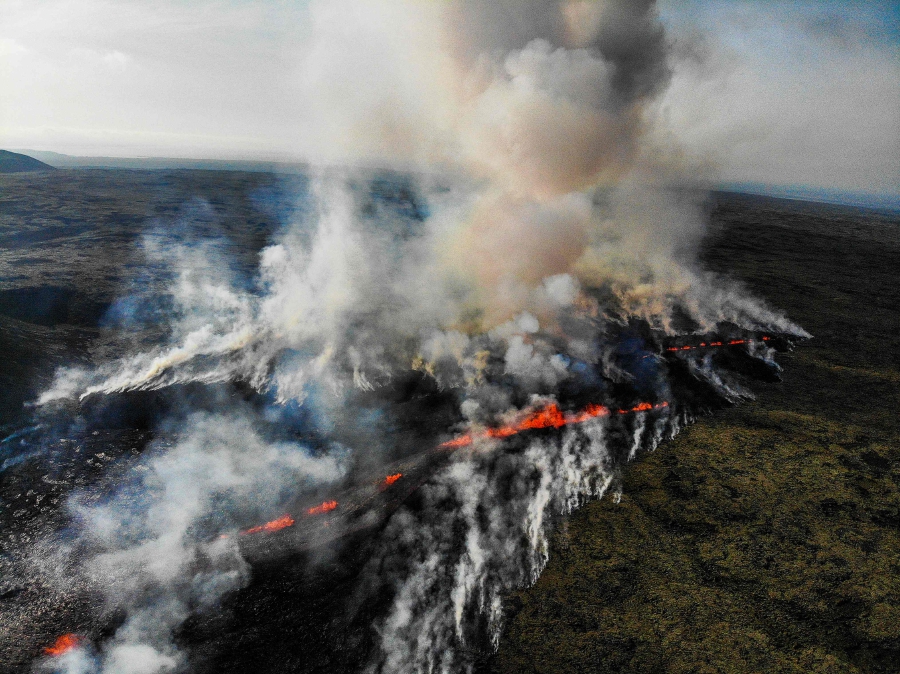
(803,93)
(778,92)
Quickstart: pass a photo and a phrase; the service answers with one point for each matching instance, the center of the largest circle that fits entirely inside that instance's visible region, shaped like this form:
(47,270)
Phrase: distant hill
(13,162)
(58,160)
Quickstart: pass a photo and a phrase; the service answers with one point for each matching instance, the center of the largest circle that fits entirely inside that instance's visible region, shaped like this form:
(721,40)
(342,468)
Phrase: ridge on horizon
(61,160)
(55,160)
(14,162)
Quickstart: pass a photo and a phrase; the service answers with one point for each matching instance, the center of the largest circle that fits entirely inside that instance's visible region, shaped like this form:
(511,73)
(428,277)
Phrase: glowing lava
(275,525)
(461,441)
(390,479)
(707,345)
(63,644)
(547,417)
(325,507)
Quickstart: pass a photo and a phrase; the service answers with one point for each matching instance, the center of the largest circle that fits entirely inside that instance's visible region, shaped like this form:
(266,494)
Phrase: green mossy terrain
(766,537)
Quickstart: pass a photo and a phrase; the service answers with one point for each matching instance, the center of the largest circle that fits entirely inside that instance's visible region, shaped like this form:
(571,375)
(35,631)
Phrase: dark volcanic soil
(69,249)
(764,538)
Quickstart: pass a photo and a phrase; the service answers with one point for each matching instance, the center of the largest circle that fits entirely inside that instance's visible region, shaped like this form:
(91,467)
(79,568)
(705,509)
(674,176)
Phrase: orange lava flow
(63,645)
(549,416)
(461,441)
(546,417)
(325,507)
(390,479)
(275,525)
(706,345)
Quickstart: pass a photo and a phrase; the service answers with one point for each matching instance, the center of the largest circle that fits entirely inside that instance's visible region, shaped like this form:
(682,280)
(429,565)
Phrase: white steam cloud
(153,549)
(538,117)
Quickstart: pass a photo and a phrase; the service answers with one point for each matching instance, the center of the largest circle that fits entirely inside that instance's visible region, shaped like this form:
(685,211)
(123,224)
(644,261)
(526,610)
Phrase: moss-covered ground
(766,537)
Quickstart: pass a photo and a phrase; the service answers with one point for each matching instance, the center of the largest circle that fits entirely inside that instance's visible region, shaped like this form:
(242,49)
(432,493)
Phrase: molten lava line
(550,416)
(707,345)
(63,644)
(325,507)
(275,525)
(547,417)
(390,479)
(286,521)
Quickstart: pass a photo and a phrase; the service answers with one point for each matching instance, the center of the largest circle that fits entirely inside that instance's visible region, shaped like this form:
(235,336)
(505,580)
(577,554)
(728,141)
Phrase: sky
(781,93)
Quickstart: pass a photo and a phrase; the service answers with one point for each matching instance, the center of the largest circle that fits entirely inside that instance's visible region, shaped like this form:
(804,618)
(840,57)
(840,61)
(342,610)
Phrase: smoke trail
(152,548)
(483,529)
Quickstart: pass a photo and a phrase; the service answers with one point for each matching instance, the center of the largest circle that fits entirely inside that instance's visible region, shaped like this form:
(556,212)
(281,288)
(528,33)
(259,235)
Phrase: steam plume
(147,551)
(553,215)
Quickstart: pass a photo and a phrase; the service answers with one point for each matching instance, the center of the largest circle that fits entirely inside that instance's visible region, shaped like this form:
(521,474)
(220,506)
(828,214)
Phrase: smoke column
(554,215)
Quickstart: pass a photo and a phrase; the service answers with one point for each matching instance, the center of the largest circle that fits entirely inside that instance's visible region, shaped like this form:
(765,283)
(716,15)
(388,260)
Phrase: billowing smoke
(154,548)
(532,128)
(553,217)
